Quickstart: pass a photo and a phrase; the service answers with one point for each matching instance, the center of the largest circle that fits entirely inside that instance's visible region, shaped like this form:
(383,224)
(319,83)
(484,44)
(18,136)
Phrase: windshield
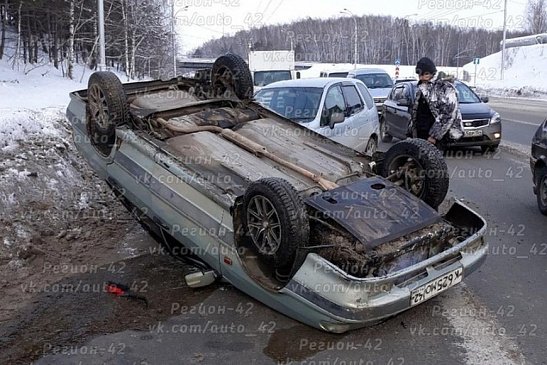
(263,78)
(376,81)
(466,95)
(299,104)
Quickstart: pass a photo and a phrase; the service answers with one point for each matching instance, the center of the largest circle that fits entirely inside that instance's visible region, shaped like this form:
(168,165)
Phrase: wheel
(418,167)
(106,108)
(276,220)
(486,149)
(230,74)
(384,136)
(372,146)
(541,185)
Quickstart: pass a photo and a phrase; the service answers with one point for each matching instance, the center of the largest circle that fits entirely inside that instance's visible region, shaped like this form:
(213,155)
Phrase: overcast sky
(206,19)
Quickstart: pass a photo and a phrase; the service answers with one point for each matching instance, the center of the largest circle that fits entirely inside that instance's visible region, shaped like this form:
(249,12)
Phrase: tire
(288,224)
(541,185)
(372,146)
(384,136)
(106,109)
(230,74)
(429,180)
(486,149)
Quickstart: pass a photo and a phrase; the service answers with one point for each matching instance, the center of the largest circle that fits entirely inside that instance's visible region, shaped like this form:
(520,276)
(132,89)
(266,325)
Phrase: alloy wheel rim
(98,106)
(264,225)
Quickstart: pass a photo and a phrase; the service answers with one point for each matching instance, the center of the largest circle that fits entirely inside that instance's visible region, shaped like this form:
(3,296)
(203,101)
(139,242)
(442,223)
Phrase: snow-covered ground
(525,72)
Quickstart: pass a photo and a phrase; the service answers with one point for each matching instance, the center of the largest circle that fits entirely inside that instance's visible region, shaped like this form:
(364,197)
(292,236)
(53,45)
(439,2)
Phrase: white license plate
(434,287)
(476,133)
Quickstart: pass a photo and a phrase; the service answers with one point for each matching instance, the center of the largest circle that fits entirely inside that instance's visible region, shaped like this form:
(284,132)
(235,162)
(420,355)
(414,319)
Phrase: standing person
(435,114)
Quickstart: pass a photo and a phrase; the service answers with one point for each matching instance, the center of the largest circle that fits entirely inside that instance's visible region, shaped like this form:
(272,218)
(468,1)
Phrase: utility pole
(174,38)
(504,37)
(355,55)
(102,48)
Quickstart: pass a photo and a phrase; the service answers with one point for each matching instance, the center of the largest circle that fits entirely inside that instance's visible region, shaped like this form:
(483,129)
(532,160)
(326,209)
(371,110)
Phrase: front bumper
(338,302)
(490,136)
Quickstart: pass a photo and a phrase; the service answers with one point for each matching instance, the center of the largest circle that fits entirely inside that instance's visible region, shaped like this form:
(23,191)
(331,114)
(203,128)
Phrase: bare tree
(536,16)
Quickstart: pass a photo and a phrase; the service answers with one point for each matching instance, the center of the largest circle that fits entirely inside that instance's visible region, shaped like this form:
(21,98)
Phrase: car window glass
(334,102)
(398,93)
(353,100)
(369,101)
(406,92)
(466,95)
(335,99)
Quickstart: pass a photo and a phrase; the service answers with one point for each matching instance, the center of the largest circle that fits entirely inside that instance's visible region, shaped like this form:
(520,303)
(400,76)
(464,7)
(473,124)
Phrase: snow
(525,73)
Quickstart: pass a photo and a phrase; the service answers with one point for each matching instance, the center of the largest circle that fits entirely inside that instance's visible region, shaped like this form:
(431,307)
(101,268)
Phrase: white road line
(520,122)
(484,339)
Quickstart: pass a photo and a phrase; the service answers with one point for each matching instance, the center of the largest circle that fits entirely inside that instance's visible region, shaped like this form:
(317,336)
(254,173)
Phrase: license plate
(434,287)
(476,133)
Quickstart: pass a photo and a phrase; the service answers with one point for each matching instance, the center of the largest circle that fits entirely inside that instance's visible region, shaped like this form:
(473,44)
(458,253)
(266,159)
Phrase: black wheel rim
(98,107)
(264,225)
(543,190)
(407,172)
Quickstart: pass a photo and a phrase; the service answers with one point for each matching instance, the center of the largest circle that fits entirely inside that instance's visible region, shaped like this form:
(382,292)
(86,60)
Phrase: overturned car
(324,234)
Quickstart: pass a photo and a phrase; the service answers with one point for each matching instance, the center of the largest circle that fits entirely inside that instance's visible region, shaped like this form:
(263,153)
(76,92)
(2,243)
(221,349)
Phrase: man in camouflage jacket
(435,113)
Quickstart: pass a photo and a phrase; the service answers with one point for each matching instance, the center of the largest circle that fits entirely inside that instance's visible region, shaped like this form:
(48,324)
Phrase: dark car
(481,124)
(538,163)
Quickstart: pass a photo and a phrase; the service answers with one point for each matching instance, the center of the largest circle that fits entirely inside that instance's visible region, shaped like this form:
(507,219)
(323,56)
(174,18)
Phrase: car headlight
(495,118)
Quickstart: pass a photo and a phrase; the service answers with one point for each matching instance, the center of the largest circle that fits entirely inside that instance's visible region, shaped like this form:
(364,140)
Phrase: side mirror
(484,99)
(335,118)
(297,74)
(403,102)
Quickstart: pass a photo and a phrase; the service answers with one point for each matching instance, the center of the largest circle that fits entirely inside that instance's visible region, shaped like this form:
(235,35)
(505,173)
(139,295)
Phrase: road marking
(521,122)
(499,180)
(483,338)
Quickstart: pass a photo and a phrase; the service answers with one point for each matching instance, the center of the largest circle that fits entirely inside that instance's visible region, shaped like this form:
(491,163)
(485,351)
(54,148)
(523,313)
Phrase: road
(497,316)
(520,118)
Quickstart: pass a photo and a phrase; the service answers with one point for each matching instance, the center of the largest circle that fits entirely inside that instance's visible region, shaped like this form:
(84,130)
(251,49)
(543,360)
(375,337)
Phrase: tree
(536,16)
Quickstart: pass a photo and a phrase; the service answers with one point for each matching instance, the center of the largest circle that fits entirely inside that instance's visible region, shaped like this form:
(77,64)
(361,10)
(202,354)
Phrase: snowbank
(525,73)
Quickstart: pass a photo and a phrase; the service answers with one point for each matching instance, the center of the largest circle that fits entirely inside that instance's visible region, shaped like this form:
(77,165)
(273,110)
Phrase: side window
(353,100)
(407,92)
(334,102)
(369,101)
(398,95)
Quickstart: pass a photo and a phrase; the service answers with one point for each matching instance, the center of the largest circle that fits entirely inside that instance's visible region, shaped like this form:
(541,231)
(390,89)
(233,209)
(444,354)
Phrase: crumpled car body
(196,170)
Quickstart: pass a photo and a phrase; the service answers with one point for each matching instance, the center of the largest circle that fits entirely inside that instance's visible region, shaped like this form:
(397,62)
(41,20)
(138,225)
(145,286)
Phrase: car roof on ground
(320,82)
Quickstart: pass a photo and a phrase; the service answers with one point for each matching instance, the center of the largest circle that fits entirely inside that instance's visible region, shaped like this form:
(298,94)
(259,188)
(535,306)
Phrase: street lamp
(355,57)
(173,33)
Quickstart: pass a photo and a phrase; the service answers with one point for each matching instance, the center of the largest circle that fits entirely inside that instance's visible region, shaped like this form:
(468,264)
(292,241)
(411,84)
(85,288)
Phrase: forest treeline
(380,40)
(65,33)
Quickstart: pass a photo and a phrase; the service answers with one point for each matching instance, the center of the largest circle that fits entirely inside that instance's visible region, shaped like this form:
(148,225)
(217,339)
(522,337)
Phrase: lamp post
(355,56)
(102,47)
(504,37)
(174,34)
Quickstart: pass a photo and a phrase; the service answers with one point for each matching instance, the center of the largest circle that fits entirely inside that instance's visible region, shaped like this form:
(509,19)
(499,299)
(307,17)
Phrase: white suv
(338,108)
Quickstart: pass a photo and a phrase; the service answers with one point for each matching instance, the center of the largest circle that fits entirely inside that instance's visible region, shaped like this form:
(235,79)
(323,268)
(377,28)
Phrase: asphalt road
(497,316)
(520,118)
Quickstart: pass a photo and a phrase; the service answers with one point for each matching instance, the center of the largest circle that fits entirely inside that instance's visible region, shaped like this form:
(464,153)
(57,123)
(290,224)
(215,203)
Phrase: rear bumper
(341,302)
